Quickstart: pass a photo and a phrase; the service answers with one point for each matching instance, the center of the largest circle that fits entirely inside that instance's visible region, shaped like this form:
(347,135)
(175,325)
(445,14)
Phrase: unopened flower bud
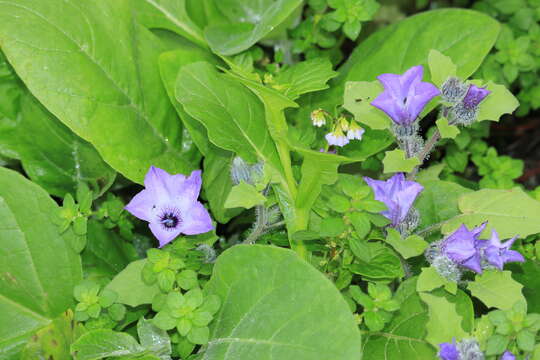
(318,118)
(242,171)
(465,112)
(453,90)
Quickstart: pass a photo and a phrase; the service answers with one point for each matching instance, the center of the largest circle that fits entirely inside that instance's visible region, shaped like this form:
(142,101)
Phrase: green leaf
(412,246)
(438,201)
(171,15)
(444,322)
(396,48)
(199,335)
(249,296)
(497,289)
(259,18)
(528,274)
(304,77)
(51,155)
(501,101)
(526,340)
(233,116)
(446,130)
(92,89)
(357,100)
(245,196)
(39,269)
(403,337)
(129,286)
(382,263)
(99,344)
(467,49)
(153,338)
(441,67)
(429,279)
(361,223)
(187,279)
(510,212)
(54,340)
(395,161)
(496,344)
(105,252)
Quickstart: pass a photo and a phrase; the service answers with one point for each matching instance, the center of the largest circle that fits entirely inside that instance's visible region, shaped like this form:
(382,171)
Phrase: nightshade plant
(204,179)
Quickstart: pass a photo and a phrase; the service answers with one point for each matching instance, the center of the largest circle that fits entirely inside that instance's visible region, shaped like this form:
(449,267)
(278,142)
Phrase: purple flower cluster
(465,350)
(397,194)
(464,248)
(404,96)
(169,203)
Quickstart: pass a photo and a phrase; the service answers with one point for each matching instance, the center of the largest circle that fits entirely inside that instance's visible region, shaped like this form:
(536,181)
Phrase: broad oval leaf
(131,288)
(465,36)
(510,212)
(101,78)
(245,22)
(275,305)
(233,116)
(52,156)
(38,268)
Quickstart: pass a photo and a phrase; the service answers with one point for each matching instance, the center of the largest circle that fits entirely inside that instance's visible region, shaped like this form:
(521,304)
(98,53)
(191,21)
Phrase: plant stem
(425,152)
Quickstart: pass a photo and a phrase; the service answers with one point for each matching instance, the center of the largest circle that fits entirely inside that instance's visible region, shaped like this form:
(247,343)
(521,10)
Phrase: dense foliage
(266,179)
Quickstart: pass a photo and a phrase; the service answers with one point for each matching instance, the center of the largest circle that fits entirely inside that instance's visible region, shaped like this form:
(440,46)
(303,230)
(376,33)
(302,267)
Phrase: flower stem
(425,152)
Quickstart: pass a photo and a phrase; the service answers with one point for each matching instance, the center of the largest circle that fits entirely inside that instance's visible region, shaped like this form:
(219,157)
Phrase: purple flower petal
(138,206)
(404,96)
(169,203)
(197,220)
(448,351)
(163,235)
(462,247)
(507,355)
(474,96)
(497,253)
(397,194)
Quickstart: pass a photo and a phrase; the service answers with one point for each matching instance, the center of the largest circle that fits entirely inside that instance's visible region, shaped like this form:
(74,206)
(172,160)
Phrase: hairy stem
(425,152)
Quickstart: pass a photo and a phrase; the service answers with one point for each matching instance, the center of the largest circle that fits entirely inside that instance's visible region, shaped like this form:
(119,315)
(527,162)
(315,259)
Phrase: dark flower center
(170,219)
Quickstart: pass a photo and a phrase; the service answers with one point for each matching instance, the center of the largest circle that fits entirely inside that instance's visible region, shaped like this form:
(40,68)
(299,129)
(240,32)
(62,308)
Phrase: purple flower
(397,193)
(404,96)
(169,203)
(448,351)
(461,247)
(507,355)
(497,253)
(474,96)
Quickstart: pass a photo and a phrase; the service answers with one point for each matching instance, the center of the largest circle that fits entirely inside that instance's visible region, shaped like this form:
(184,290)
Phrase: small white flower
(337,138)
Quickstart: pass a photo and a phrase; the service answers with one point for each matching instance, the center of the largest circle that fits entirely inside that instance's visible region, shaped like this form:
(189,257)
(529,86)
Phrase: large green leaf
(38,268)
(277,306)
(245,22)
(99,77)
(106,253)
(171,15)
(444,322)
(510,212)
(104,343)
(52,155)
(464,35)
(438,201)
(403,338)
(497,289)
(233,116)
(217,162)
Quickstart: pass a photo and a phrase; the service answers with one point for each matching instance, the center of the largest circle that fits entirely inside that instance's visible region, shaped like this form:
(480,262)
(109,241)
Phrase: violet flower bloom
(404,96)
(169,203)
(461,247)
(507,355)
(448,351)
(397,193)
(497,253)
(474,96)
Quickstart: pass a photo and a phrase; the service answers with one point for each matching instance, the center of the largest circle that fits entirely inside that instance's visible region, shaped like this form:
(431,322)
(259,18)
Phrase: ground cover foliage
(286,179)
